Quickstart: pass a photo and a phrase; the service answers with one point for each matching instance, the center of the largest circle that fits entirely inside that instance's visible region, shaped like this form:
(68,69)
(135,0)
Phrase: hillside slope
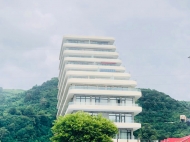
(162,113)
(28,116)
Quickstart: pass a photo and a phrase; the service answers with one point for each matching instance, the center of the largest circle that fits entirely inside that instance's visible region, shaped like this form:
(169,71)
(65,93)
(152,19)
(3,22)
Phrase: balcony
(132,125)
(106,107)
(90,87)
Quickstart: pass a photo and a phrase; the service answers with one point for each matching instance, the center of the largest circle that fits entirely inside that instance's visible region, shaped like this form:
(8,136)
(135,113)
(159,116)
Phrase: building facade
(92,79)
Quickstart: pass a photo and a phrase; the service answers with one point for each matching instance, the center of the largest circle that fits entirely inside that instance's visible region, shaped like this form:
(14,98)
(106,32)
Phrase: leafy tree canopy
(147,133)
(82,127)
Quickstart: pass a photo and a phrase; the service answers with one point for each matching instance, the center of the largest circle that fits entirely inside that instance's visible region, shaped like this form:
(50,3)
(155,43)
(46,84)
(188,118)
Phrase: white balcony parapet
(104,88)
(99,103)
(106,108)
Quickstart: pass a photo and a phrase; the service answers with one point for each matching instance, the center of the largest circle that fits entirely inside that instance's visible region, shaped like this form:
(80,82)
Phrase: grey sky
(152,38)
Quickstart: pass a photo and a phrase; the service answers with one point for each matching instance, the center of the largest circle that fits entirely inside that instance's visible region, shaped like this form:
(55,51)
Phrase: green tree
(3,132)
(147,134)
(82,127)
(12,111)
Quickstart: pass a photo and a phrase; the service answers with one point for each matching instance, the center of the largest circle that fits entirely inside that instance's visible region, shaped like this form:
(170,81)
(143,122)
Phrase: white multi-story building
(92,79)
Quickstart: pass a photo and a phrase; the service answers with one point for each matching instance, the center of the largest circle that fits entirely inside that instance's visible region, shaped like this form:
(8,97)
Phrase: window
(77,41)
(129,101)
(125,134)
(107,70)
(120,117)
(114,101)
(112,117)
(128,118)
(99,42)
(83,99)
(104,100)
(101,88)
(96,100)
(92,87)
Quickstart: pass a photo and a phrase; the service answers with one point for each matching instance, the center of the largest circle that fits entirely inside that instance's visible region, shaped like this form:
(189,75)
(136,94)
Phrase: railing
(90,57)
(82,49)
(99,103)
(93,77)
(91,63)
(104,88)
(88,42)
(126,121)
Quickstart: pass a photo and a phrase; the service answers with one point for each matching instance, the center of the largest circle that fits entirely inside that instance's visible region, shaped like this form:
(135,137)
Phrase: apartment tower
(91,79)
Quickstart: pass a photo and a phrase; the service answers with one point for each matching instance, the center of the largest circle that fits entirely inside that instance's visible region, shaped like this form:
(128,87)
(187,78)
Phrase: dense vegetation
(27,116)
(161,113)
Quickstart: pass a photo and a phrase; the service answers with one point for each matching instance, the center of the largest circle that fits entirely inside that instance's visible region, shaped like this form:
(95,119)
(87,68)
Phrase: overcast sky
(152,39)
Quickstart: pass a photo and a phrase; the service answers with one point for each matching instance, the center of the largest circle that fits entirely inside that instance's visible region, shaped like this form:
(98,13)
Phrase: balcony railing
(95,77)
(105,88)
(99,103)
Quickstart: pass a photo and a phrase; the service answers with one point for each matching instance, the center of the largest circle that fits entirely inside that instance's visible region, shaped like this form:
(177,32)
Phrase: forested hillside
(161,112)
(27,116)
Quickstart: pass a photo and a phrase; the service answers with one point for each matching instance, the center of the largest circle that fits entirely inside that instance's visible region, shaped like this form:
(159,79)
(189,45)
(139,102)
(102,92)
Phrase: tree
(82,127)
(28,111)
(3,132)
(12,111)
(147,134)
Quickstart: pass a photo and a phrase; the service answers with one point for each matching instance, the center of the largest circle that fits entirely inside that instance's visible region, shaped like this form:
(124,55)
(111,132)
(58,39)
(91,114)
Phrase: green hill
(27,116)
(162,112)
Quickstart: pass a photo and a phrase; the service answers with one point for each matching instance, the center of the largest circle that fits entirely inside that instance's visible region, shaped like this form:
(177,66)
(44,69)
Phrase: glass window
(107,70)
(123,134)
(122,103)
(128,134)
(96,100)
(113,101)
(128,118)
(123,118)
(77,41)
(112,117)
(101,87)
(92,87)
(77,99)
(129,101)
(99,42)
(108,88)
(83,99)
(117,118)
(104,100)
